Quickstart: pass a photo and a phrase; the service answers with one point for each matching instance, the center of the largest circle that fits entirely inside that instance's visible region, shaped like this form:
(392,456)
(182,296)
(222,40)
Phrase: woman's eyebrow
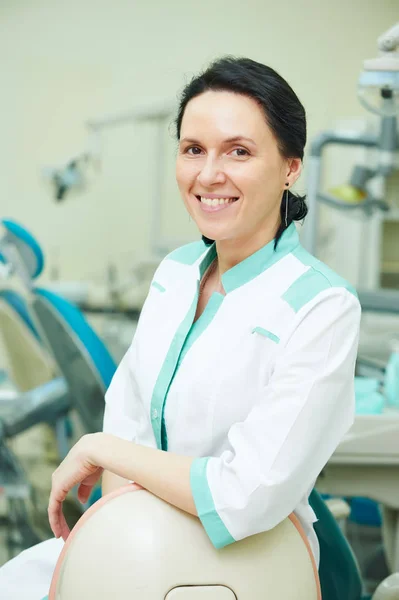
(189,140)
(239,138)
(236,138)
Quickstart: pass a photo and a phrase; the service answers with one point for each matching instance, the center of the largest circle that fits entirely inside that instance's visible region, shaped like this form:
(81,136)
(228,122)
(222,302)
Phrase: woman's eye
(241,152)
(194,150)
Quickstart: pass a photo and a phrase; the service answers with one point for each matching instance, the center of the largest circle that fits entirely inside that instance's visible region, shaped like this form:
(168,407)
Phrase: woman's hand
(163,474)
(80,467)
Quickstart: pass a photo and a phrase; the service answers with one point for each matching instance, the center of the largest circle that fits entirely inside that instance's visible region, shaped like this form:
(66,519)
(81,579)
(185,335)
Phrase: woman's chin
(216,236)
(215,231)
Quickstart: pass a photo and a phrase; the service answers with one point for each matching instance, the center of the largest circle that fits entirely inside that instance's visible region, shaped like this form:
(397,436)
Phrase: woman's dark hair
(283,111)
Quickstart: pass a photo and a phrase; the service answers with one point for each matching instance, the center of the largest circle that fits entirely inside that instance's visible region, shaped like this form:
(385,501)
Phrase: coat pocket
(266,333)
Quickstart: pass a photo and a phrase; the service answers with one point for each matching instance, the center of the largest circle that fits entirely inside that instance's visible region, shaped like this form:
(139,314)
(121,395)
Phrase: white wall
(64,62)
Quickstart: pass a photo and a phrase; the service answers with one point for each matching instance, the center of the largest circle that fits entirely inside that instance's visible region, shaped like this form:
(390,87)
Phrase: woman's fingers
(84,492)
(58,524)
(65,531)
(57,520)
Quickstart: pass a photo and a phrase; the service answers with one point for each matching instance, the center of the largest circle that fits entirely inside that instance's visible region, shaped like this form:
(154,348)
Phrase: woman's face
(229,170)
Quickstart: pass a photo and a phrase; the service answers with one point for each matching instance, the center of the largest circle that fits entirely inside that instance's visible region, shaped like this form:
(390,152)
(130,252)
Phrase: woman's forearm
(111,482)
(164,474)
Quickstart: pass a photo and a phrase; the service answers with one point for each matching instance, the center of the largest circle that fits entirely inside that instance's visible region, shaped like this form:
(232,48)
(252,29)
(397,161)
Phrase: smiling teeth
(217,201)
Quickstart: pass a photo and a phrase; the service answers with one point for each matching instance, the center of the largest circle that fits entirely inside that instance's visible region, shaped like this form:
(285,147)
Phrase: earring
(286,206)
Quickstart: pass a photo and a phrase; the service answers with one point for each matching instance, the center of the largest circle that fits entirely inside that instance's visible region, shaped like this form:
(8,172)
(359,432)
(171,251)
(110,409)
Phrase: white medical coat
(260,390)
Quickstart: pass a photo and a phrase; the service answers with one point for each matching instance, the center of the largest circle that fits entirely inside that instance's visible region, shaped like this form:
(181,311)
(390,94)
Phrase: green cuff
(213,524)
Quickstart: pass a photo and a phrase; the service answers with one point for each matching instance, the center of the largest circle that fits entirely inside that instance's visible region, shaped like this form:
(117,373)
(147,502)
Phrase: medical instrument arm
(45,403)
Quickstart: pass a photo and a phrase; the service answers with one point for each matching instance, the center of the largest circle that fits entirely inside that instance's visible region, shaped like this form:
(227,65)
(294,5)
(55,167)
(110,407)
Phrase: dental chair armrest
(46,403)
(388,589)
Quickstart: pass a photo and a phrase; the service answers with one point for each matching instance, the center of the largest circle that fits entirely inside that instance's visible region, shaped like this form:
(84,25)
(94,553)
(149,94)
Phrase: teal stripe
(261,260)
(315,280)
(208,258)
(333,278)
(213,524)
(305,288)
(266,333)
(166,375)
(196,330)
(188,254)
(178,349)
(158,286)
(202,323)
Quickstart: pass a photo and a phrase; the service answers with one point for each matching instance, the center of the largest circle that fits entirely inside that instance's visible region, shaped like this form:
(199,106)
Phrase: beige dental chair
(131,544)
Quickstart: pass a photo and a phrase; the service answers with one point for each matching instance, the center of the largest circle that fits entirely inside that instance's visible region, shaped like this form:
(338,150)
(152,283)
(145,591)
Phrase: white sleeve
(276,454)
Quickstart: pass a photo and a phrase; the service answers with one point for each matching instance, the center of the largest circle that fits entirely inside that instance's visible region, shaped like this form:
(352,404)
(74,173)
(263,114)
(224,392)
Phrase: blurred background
(90,206)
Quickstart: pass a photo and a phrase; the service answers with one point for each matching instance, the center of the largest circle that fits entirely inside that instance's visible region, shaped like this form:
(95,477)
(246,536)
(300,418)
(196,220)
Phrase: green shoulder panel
(187,254)
(315,280)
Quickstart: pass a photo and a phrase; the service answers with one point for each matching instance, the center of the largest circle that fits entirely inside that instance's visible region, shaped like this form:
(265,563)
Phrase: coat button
(155,414)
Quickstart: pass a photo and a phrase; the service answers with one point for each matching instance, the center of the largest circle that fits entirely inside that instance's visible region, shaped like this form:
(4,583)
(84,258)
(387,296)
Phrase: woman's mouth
(215,204)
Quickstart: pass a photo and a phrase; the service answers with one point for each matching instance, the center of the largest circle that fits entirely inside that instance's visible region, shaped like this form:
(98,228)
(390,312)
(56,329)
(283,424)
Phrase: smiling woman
(242,133)
(239,383)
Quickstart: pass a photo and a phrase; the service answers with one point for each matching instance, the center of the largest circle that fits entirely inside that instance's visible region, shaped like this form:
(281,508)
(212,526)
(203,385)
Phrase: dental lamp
(378,92)
(68,176)
(378,86)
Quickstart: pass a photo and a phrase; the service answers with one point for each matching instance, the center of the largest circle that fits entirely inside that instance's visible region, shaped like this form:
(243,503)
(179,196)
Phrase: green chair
(338,570)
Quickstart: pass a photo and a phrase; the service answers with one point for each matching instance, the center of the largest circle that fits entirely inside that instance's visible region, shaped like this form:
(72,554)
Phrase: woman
(238,385)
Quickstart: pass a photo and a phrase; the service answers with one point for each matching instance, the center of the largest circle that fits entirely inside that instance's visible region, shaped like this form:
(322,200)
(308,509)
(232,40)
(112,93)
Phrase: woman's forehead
(223,115)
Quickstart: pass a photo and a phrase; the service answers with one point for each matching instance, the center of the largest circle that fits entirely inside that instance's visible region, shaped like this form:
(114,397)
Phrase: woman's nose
(212,172)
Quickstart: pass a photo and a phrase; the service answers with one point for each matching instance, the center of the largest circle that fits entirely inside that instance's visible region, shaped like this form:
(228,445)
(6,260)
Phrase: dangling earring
(286,206)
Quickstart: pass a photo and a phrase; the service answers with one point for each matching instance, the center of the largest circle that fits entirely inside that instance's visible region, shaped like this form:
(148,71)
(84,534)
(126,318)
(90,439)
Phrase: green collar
(255,264)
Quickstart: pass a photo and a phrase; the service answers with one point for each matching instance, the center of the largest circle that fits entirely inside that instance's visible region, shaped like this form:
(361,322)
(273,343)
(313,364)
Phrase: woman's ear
(294,170)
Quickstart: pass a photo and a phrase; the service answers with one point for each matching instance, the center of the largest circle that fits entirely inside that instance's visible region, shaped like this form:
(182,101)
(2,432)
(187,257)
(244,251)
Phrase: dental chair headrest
(15,239)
